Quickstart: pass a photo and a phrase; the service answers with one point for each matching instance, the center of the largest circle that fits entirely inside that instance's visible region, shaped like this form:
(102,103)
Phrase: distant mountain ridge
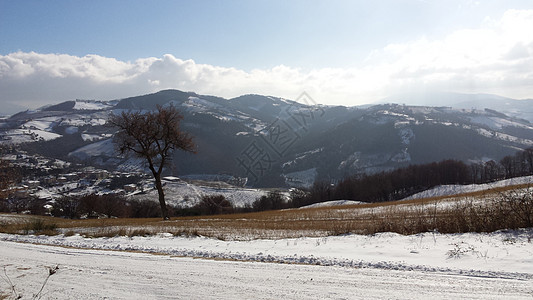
(274,141)
(512,107)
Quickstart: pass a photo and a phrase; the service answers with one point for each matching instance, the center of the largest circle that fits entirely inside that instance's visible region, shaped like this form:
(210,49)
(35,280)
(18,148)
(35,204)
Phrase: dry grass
(478,211)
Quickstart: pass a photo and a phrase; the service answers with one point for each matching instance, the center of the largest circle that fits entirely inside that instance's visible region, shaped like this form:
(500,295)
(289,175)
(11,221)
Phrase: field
(472,245)
(479,211)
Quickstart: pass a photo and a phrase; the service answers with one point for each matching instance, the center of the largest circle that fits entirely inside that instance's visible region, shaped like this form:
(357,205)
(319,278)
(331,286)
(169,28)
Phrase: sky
(339,52)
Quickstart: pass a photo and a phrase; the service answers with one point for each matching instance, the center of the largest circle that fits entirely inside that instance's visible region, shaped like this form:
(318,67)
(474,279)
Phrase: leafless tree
(153,136)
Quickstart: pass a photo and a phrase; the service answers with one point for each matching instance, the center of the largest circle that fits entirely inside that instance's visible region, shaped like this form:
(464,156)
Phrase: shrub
(38,226)
(214,205)
(274,200)
(67,207)
(144,209)
(108,205)
(519,205)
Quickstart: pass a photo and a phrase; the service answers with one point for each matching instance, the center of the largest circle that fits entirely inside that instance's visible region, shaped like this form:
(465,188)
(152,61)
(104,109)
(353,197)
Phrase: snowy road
(99,274)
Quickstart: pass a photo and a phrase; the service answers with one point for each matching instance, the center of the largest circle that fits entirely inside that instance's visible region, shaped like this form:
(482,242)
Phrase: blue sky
(343,52)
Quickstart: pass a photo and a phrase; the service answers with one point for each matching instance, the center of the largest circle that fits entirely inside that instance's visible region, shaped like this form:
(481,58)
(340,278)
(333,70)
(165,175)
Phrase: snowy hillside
(297,143)
(447,190)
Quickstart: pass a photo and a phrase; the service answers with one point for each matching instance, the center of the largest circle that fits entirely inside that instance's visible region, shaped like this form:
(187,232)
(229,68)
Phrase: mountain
(512,107)
(273,141)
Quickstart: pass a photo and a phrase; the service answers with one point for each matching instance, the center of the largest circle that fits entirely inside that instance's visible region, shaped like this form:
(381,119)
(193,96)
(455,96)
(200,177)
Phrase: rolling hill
(277,142)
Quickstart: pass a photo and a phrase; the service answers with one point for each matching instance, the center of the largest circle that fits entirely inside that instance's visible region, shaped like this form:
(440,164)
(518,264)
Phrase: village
(43,180)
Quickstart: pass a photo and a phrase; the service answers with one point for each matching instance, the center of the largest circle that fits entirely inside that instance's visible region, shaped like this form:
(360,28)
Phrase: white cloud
(495,58)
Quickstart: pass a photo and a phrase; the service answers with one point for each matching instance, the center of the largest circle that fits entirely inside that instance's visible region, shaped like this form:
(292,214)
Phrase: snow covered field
(387,265)
(186,194)
(456,189)
(382,266)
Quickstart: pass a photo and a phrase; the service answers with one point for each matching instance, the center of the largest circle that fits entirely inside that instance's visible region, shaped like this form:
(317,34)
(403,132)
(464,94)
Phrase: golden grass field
(482,211)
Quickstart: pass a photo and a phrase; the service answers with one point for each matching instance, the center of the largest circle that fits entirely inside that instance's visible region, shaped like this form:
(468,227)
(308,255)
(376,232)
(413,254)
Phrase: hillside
(276,142)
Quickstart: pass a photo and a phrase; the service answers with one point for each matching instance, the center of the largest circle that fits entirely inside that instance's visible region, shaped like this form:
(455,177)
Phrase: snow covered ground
(382,266)
(447,190)
(186,194)
(333,203)
(495,265)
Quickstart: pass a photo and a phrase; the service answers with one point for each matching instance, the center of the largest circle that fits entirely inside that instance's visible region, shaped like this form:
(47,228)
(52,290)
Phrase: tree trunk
(159,186)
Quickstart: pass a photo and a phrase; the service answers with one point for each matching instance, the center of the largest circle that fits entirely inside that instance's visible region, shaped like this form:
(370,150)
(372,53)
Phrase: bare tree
(153,136)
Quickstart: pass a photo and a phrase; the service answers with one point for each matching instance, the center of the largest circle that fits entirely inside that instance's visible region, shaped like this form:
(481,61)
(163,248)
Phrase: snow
(91,137)
(333,203)
(302,179)
(504,137)
(383,266)
(17,136)
(200,105)
(45,124)
(406,134)
(47,194)
(186,195)
(71,130)
(44,135)
(104,147)
(302,156)
(83,120)
(495,123)
(91,105)
(447,190)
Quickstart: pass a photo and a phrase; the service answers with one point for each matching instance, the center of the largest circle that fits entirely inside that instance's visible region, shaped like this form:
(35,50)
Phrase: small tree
(152,136)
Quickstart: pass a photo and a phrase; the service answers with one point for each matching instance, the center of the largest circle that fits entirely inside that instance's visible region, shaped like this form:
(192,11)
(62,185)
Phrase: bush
(214,205)
(108,205)
(519,205)
(144,209)
(38,226)
(297,197)
(274,200)
(67,207)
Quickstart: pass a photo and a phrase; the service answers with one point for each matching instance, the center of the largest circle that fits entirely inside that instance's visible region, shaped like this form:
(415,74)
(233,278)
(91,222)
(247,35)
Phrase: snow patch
(91,105)
(104,147)
(333,203)
(71,130)
(301,179)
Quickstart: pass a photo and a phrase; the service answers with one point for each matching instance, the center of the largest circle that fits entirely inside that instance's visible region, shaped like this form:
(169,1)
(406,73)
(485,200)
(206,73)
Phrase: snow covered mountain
(273,141)
(516,108)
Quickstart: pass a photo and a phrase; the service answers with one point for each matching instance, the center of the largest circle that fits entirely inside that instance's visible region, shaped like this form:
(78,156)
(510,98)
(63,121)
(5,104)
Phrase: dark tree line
(520,164)
(92,206)
(403,182)
(400,183)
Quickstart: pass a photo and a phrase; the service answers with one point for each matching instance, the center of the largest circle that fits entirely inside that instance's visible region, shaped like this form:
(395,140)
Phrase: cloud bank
(495,58)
